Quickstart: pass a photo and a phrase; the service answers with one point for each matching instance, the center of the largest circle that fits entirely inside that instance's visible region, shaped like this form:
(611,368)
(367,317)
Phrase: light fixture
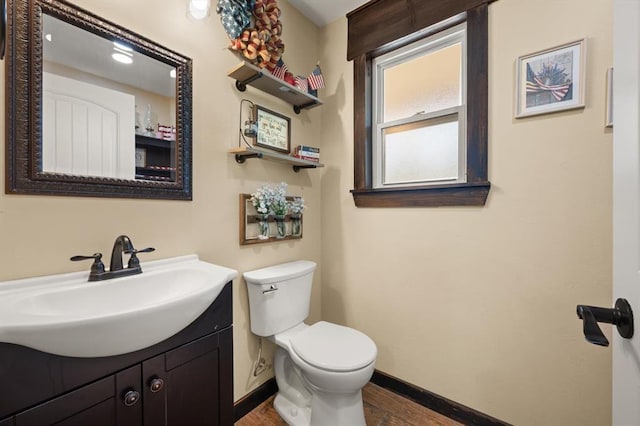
(172,73)
(48,37)
(199,9)
(122,58)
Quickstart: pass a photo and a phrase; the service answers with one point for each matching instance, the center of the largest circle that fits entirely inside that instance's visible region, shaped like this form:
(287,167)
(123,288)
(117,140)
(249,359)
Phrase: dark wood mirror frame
(24,62)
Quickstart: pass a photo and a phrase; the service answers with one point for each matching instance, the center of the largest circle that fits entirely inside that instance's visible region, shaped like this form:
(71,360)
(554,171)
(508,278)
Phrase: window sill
(463,194)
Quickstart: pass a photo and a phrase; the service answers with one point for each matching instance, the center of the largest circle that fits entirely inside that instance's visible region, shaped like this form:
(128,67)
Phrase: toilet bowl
(321,368)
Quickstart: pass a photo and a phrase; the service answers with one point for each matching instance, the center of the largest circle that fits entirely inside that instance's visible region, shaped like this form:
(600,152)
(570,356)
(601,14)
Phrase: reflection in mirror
(109,112)
(92,90)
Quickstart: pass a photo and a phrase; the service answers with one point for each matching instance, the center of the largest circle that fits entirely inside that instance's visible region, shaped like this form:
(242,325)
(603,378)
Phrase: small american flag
(280,70)
(316,80)
(301,83)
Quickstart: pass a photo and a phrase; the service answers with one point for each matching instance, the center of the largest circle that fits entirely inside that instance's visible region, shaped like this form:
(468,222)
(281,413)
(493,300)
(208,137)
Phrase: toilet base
(337,409)
(291,413)
(329,410)
(300,403)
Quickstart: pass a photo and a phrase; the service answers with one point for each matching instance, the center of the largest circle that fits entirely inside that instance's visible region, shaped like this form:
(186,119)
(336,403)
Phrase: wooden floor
(381,408)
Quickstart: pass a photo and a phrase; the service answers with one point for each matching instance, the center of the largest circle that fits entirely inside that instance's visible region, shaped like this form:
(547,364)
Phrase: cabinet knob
(156,384)
(130,397)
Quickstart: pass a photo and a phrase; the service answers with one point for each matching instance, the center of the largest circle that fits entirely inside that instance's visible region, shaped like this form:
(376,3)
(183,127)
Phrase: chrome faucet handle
(134,262)
(97,267)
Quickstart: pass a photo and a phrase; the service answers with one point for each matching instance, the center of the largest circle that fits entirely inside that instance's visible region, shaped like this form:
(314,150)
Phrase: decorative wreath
(261,45)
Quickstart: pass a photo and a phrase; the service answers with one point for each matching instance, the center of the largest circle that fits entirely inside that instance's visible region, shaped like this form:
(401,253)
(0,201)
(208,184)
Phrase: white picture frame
(551,80)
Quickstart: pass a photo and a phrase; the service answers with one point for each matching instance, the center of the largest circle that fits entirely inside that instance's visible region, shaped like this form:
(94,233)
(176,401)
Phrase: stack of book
(309,153)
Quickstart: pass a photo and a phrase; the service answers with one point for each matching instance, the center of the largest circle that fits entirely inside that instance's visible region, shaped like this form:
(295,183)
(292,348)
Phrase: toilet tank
(279,296)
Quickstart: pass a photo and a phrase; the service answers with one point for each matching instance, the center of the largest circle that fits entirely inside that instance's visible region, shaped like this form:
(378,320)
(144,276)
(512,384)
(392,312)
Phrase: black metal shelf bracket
(242,85)
(241,158)
(297,168)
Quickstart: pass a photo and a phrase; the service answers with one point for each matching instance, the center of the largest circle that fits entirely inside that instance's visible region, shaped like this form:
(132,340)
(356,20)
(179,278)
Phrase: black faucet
(122,245)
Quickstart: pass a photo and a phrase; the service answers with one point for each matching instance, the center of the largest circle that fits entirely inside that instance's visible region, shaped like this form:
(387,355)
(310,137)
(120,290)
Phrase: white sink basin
(67,315)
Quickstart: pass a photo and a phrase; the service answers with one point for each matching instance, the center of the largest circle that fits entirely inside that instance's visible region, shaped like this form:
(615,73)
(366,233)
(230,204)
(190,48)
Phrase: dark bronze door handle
(620,315)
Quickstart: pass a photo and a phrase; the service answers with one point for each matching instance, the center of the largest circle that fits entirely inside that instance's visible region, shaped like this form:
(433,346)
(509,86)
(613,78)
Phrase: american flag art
(558,86)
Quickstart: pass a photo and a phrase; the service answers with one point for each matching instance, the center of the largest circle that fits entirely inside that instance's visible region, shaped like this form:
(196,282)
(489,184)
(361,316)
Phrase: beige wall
(478,304)
(40,233)
(475,304)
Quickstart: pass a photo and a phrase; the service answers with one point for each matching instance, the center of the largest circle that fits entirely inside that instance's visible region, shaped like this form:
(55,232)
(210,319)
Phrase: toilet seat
(333,347)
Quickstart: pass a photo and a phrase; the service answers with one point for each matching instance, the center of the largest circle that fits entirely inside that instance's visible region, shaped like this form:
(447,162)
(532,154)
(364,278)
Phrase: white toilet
(321,368)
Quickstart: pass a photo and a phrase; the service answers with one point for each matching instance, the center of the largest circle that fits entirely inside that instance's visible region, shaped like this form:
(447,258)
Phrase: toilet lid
(334,347)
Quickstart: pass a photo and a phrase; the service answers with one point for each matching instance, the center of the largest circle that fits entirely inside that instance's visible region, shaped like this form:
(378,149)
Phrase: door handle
(620,315)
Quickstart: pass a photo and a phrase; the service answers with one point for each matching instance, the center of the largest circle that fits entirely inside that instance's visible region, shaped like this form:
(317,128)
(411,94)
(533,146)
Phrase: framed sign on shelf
(141,157)
(274,130)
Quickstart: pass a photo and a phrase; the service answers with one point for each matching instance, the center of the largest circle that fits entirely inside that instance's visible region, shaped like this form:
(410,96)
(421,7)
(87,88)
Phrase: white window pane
(421,152)
(427,83)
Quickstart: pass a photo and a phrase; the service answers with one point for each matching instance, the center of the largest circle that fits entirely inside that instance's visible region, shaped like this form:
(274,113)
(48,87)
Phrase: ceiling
(323,12)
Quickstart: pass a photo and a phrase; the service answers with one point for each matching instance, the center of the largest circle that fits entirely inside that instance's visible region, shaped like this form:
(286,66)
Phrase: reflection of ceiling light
(199,9)
(172,73)
(48,37)
(122,58)
(122,46)
(124,52)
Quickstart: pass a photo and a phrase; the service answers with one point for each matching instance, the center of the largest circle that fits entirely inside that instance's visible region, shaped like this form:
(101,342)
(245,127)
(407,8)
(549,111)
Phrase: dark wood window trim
(369,39)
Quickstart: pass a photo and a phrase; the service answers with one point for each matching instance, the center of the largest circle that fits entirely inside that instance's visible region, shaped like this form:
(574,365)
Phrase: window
(420,103)
(418,107)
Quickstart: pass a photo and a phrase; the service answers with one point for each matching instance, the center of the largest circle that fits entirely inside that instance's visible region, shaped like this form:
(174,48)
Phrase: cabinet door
(97,404)
(196,384)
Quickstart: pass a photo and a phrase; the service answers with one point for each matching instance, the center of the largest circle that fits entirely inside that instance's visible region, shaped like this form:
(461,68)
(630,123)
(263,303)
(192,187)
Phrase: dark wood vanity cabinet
(96,404)
(184,380)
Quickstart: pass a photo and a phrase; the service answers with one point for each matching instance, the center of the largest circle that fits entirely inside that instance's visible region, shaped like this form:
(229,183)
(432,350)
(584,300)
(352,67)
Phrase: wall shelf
(144,140)
(244,153)
(246,74)
(155,159)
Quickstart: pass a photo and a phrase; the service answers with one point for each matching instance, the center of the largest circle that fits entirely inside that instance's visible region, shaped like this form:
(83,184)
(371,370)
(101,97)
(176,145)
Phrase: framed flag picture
(274,130)
(551,80)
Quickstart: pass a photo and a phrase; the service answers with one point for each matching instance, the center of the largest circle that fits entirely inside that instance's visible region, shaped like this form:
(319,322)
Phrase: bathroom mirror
(93,109)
